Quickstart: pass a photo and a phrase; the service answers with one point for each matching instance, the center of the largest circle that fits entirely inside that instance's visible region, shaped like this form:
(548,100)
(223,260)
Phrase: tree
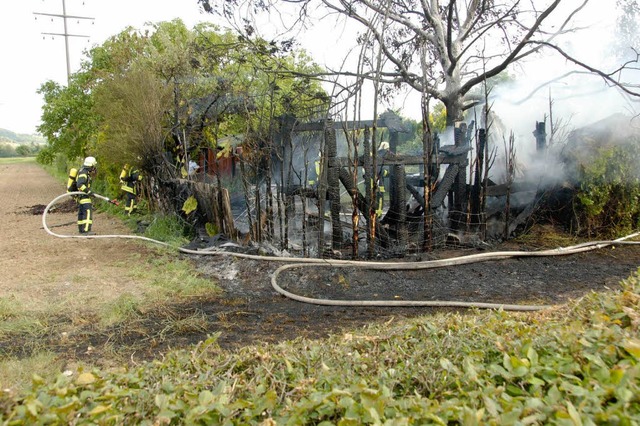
(627,41)
(443,49)
(138,91)
(68,123)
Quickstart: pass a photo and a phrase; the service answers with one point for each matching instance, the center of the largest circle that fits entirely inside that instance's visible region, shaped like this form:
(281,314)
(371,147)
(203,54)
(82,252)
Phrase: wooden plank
(229,224)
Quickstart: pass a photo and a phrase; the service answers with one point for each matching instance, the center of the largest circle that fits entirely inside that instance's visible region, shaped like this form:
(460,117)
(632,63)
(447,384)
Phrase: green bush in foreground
(576,364)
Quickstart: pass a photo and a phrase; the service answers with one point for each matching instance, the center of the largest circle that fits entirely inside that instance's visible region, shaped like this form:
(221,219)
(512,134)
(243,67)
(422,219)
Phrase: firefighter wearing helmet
(85,206)
(129,178)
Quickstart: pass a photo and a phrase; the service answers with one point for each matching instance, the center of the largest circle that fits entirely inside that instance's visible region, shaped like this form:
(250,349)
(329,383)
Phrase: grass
(19,373)
(17,160)
(8,308)
(545,236)
(32,335)
(15,320)
(576,364)
(125,308)
(177,280)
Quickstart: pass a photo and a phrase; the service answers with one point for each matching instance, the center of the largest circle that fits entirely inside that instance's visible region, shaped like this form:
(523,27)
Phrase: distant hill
(7,136)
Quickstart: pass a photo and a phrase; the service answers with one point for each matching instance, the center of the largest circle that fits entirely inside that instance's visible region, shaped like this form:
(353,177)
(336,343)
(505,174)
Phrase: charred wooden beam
(406,160)
(540,134)
(333,187)
(476,190)
(457,213)
(319,126)
(445,185)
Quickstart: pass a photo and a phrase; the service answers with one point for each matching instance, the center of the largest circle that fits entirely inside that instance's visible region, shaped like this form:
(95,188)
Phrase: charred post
(459,198)
(368,185)
(333,184)
(287,179)
(540,134)
(476,191)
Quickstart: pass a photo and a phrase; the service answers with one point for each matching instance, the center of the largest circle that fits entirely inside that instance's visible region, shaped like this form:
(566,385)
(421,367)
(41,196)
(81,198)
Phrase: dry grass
(545,237)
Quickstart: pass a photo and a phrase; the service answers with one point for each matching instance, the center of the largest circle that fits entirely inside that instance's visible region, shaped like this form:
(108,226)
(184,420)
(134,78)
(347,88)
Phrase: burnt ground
(248,310)
(253,311)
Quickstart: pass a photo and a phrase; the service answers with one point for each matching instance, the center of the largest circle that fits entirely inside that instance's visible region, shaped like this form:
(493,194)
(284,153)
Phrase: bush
(575,364)
(608,199)
(170,229)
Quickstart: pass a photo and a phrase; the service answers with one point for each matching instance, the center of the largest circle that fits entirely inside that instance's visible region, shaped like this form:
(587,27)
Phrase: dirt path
(38,271)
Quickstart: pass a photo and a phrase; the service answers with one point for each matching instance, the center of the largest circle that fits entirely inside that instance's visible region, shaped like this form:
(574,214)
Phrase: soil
(39,271)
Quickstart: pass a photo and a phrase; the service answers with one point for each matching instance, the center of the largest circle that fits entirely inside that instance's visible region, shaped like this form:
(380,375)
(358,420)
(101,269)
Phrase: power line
(66,33)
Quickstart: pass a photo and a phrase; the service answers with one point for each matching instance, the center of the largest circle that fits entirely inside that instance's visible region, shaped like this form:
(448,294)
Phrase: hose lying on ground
(294,262)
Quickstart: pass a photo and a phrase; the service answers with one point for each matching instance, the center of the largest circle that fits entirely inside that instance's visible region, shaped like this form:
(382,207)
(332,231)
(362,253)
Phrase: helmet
(90,162)
(384,145)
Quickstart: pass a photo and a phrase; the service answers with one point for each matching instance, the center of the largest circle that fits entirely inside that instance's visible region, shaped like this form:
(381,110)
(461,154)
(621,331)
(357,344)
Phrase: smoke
(550,89)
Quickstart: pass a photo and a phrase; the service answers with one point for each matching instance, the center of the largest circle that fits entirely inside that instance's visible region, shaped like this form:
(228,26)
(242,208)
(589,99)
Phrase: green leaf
(190,204)
(205,397)
(85,379)
(490,405)
(99,409)
(573,414)
(211,229)
(632,346)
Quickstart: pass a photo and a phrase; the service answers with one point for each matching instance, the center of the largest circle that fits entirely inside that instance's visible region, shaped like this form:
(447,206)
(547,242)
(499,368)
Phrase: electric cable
(295,262)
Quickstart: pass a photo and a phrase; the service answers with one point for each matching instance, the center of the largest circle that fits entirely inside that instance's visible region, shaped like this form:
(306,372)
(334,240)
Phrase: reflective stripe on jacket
(128,178)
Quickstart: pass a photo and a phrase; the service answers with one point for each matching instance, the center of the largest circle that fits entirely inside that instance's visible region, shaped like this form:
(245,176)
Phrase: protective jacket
(83,182)
(85,208)
(129,176)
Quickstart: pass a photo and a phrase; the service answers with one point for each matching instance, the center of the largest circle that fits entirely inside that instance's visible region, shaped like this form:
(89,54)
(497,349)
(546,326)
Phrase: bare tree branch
(607,77)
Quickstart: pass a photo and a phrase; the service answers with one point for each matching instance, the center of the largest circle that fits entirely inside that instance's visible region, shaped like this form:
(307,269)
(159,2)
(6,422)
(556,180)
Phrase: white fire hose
(294,262)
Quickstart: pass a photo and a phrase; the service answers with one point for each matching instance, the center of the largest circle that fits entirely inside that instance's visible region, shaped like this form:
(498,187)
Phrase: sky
(30,58)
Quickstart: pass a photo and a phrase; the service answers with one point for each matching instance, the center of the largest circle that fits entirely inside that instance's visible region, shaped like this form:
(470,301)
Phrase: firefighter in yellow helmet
(383,173)
(85,206)
(129,178)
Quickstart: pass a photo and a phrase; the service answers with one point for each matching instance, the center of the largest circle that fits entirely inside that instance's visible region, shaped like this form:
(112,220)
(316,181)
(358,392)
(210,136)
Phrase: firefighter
(314,174)
(85,206)
(129,178)
(383,173)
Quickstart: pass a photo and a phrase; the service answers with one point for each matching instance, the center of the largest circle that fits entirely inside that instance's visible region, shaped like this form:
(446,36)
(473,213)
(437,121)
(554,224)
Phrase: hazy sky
(30,58)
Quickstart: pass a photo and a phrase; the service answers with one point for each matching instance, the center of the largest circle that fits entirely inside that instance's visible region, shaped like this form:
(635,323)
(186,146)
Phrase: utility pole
(65,34)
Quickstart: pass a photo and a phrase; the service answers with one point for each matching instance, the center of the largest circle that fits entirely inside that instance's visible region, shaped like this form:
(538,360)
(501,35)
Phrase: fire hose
(294,262)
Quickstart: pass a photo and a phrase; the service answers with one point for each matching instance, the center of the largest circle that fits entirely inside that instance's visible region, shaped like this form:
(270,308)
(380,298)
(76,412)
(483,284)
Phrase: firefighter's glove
(90,193)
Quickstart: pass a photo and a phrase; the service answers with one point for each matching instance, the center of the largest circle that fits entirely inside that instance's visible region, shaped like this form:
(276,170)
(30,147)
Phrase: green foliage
(211,229)
(608,198)
(579,364)
(190,204)
(167,228)
(46,156)
(437,121)
(132,108)
(137,91)
(11,149)
(68,121)
(7,150)
(28,150)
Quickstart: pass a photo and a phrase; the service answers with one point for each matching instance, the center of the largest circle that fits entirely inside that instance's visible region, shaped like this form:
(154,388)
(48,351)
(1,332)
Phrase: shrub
(607,202)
